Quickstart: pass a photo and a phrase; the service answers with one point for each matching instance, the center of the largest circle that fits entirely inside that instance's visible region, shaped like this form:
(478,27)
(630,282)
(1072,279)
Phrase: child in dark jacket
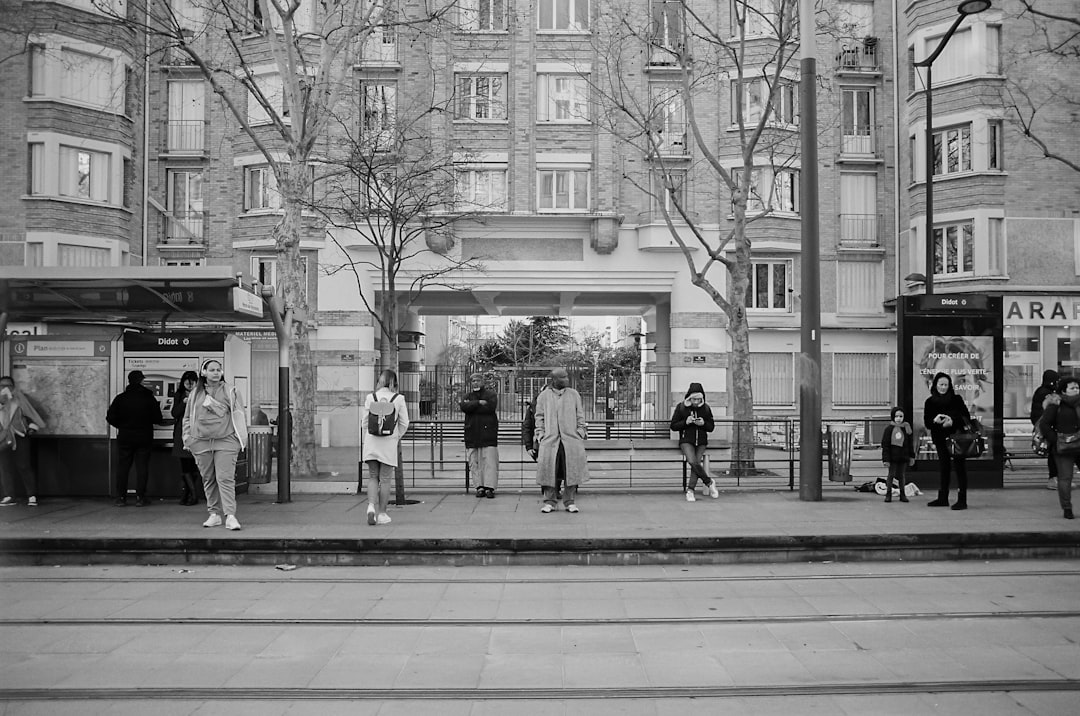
(897,451)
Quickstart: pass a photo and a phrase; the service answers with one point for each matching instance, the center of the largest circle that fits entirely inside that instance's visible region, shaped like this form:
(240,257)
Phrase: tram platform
(449,527)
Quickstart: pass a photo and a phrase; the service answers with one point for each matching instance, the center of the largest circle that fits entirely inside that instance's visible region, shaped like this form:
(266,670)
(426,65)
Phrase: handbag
(970,443)
(1039,445)
(1068,444)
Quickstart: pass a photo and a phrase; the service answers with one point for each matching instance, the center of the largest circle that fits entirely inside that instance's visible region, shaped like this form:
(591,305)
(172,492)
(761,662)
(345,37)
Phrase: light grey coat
(560,416)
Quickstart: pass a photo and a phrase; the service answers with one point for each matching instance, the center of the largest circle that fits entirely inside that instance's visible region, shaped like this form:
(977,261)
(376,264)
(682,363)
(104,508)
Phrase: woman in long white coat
(380,452)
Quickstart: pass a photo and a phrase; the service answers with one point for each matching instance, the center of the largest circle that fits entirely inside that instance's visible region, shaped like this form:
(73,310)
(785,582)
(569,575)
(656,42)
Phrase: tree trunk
(742,404)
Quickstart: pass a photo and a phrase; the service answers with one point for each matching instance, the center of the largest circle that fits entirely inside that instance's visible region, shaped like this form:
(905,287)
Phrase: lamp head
(973,7)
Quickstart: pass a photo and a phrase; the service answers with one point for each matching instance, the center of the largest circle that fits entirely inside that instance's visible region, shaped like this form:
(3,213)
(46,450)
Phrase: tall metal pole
(930,177)
(810,311)
(282,319)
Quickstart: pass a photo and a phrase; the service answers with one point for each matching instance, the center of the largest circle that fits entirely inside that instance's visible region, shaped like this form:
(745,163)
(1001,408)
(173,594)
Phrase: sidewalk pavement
(743,525)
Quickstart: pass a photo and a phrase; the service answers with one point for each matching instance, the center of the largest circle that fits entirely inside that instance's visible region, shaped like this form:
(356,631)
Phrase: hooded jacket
(1038,398)
(905,451)
(134,413)
(948,403)
(1061,414)
(688,432)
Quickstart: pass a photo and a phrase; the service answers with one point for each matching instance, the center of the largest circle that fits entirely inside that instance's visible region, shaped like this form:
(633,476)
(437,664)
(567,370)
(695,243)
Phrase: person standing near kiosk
(134,413)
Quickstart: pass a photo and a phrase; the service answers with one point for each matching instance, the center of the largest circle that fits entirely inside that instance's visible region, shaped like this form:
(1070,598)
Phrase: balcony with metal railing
(860,230)
(858,56)
(185,229)
(185,136)
(859,143)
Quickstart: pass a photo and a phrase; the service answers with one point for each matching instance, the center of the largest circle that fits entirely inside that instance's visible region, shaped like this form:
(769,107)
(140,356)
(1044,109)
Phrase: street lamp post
(968,7)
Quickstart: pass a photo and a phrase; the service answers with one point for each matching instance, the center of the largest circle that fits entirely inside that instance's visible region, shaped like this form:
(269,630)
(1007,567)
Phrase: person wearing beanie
(945,413)
(897,452)
(1038,400)
(693,420)
(134,413)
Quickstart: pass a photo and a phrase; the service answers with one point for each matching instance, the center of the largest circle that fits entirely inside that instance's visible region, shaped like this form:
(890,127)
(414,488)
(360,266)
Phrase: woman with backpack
(1060,424)
(385,419)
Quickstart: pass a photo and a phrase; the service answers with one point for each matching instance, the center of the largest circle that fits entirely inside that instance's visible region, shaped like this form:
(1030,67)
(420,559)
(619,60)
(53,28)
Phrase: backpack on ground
(382,416)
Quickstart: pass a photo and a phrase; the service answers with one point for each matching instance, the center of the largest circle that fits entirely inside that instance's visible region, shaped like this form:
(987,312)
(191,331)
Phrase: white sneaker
(231,523)
(546,508)
(214,520)
(7,502)
(713,492)
(382,519)
(1051,484)
(572,508)
(32,502)
(370,514)
(690,496)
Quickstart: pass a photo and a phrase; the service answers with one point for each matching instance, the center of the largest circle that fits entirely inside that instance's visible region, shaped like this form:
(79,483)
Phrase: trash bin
(841,440)
(260,438)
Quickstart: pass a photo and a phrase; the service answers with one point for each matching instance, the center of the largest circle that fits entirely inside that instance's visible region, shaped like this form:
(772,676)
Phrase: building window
(483,15)
(377,192)
(562,98)
(268,102)
(84,174)
(857,121)
(378,113)
(186,222)
(187,116)
(855,18)
(858,209)
(481,189)
(667,35)
(260,189)
(77,255)
(37,71)
(264,271)
(562,190)
(37,169)
(861,379)
(182,263)
(769,284)
(995,145)
(668,192)
(88,79)
(756,94)
(380,46)
(569,15)
(957,145)
(972,50)
(760,18)
(859,288)
(772,189)
(481,97)
(777,373)
(954,246)
(669,129)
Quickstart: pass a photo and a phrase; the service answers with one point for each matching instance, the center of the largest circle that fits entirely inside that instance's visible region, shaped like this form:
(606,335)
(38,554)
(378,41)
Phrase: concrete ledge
(371,551)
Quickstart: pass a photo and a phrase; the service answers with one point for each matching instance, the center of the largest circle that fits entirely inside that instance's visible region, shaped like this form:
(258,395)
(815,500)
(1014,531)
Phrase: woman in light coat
(560,436)
(215,431)
(380,452)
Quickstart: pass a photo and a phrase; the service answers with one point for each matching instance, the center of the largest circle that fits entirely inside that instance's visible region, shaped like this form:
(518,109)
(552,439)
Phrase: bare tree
(674,122)
(310,48)
(1040,78)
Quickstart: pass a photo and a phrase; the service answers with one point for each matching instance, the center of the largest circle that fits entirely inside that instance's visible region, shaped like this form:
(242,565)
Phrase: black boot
(187,490)
(903,493)
(961,501)
(888,490)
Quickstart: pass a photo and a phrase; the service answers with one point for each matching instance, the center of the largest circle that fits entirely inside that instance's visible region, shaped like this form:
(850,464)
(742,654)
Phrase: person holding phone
(945,413)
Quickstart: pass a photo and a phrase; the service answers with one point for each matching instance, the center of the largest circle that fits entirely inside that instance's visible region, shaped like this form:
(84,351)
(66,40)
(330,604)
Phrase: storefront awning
(137,295)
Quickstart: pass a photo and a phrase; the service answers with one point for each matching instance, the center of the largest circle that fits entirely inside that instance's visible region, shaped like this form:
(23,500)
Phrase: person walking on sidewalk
(1050,379)
(380,452)
(693,420)
(897,452)
(133,413)
(1062,417)
(560,438)
(19,420)
(215,431)
(480,406)
(946,413)
(189,471)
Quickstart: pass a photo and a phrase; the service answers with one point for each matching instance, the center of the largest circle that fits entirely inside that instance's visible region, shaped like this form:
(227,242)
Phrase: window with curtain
(667,24)
(569,15)
(187,116)
(260,188)
(272,102)
(859,287)
(857,120)
(773,377)
(562,190)
(772,188)
(668,187)
(562,98)
(954,248)
(482,15)
(955,142)
(84,174)
(378,113)
(88,79)
(76,255)
(669,128)
(861,379)
(769,284)
(481,97)
(481,189)
(858,208)
(754,94)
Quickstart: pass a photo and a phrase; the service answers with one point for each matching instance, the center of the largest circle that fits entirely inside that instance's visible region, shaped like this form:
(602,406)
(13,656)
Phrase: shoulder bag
(968,442)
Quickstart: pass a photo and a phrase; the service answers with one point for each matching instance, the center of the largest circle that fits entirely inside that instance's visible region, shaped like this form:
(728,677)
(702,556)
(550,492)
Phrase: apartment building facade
(560,212)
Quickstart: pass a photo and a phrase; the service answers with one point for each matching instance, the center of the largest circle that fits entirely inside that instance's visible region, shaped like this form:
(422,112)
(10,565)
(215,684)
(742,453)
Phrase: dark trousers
(16,463)
(1065,465)
(133,452)
(569,492)
(946,462)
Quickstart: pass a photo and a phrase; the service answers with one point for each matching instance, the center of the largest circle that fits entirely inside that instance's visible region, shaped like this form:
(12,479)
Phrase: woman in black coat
(189,471)
(481,408)
(1062,417)
(945,413)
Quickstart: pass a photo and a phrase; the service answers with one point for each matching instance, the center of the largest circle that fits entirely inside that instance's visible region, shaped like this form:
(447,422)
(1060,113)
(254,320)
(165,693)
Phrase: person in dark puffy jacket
(897,451)
(1050,379)
(134,413)
(1062,417)
(693,420)
(481,407)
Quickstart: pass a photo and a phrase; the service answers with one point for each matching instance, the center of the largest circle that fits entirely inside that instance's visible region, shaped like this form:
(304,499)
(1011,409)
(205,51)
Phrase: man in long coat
(560,435)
